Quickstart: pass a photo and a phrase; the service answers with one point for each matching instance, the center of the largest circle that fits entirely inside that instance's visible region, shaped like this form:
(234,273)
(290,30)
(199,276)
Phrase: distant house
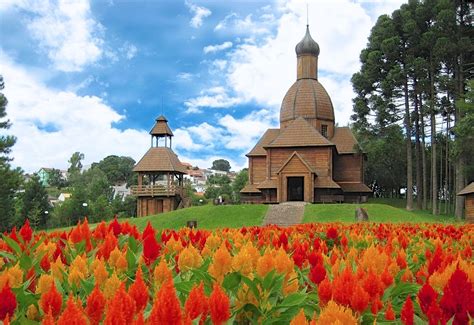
(121,190)
(468,193)
(43,175)
(63,197)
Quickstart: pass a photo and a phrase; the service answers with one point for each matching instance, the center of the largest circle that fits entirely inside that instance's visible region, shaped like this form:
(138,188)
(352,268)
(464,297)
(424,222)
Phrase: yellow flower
(242,262)
(174,246)
(221,263)
(111,286)
(118,261)
(162,273)
(80,264)
(213,242)
(335,314)
(45,282)
(100,272)
(32,312)
(290,284)
(75,276)
(189,258)
(15,276)
(373,259)
(283,262)
(57,269)
(2,263)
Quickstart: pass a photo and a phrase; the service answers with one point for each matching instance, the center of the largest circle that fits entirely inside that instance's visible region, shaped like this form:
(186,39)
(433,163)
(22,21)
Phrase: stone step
(285,214)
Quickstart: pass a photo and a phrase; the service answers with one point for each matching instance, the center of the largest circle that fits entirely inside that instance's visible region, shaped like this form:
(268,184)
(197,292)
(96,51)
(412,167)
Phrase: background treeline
(413,113)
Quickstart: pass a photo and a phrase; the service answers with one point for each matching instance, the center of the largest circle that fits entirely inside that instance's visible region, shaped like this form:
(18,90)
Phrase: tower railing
(157,190)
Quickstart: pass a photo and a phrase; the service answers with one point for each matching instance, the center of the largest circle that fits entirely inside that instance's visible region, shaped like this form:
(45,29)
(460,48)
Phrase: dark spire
(307,45)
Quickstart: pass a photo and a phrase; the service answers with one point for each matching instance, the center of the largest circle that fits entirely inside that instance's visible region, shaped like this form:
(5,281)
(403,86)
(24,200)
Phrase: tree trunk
(460,180)
(446,163)
(409,192)
(423,157)
(434,174)
(419,189)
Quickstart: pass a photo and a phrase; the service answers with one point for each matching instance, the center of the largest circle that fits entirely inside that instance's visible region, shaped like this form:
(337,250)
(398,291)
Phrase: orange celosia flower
(162,273)
(139,291)
(219,305)
(299,319)
(15,276)
(166,308)
(265,264)
(95,305)
(197,303)
(32,312)
(325,291)
(221,263)
(45,282)
(72,315)
(335,314)
(51,301)
(57,269)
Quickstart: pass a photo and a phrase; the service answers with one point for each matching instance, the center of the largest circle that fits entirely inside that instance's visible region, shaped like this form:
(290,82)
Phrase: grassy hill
(207,216)
(378,212)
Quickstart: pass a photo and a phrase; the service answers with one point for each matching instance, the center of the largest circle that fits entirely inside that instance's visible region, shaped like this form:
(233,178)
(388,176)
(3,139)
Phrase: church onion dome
(307,46)
(306,98)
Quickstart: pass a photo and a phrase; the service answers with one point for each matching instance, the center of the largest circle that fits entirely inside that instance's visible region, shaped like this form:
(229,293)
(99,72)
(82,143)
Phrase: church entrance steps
(285,214)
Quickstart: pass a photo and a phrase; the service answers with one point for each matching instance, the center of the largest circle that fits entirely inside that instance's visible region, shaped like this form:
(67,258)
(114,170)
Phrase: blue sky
(92,76)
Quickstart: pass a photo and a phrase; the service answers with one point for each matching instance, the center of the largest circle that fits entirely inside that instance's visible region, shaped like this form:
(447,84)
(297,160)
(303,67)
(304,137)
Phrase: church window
(324,130)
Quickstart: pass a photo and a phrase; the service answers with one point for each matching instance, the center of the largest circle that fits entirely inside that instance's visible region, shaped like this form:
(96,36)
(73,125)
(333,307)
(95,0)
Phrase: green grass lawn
(378,212)
(207,216)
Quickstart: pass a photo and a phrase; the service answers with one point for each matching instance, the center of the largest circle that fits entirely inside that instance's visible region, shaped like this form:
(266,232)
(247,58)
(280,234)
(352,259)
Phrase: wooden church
(160,174)
(308,158)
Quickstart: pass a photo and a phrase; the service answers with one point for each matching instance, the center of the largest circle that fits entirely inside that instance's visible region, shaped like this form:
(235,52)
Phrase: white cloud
(186,76)
(130,51)
(199,14)
(217,47)
(215,97)
(247,25)
(65,31)
(75,123)
(262,68)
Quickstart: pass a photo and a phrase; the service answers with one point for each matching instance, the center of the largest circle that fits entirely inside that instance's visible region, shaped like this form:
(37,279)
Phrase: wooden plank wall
(348,168)
(469,208)
(317,158)
(259,165)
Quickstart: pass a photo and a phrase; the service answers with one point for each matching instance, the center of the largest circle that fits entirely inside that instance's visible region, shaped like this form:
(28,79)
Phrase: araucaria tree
(414,73)
(10,178)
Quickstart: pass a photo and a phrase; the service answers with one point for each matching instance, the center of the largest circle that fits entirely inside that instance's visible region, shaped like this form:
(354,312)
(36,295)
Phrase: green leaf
(294,299)
(268,280)
(12,244)
(8,256)
(231,281)
(131,258)
(252,286)
(184,287)
(25,262)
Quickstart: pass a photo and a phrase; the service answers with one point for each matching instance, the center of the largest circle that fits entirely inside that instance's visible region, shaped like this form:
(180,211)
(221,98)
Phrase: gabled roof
(344,140)
(467,190)
(325,182)
(250,188)
(161,127)
(299,134)
(298,156)
(160,159)
(266,138)
(268,183)
(354,187)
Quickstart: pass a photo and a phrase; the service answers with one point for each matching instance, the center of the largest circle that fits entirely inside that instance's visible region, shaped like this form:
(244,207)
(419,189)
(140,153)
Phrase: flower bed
(311,273)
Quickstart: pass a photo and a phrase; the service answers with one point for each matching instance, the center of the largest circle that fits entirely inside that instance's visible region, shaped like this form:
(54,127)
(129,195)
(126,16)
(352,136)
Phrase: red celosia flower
(45,263)
(151,249)
(107,246)
(120,309)
(317,273)
(51,301)
(140,320)
(325,291)
(166,308)
(315,258)
(436,261)
(95,306)
(360,299)
(373,285)
(219,305)
(26,232)
(48,319)
(149,231)
(72,315)
(331,233)
(197,303)
(427,296)
(7,302)
(386,277)
(139,291)
(389,313)
(407,313)
(376,305)
(115,227)
(458,297)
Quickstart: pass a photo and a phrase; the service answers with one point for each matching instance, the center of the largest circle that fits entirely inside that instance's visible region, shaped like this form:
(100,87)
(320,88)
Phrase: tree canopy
(221,164)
